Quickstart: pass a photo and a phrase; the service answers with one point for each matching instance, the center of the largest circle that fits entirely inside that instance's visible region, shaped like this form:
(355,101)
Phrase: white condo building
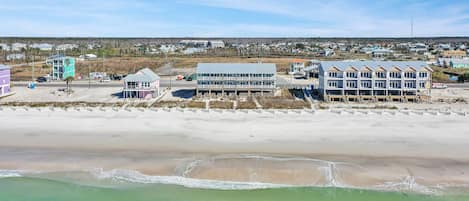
(374,80)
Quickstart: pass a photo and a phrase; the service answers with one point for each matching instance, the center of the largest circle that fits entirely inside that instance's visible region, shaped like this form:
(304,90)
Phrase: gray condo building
(236,78)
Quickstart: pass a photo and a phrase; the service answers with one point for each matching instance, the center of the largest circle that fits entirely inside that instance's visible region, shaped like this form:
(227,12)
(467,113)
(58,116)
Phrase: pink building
(143,84)
(4,80)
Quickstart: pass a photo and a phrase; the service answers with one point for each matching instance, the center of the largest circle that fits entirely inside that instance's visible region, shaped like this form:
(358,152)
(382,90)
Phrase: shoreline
(398,149)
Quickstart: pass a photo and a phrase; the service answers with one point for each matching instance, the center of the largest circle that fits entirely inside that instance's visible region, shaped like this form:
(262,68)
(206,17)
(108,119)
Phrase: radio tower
(412,27)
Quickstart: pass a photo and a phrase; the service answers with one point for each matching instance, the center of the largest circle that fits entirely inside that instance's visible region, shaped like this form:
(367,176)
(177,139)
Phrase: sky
(233,18)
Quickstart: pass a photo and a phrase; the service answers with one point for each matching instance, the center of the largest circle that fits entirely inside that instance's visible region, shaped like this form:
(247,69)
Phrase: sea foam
(137,177)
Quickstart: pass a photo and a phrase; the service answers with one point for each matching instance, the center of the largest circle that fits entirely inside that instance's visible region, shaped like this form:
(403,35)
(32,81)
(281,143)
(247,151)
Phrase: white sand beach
(390,149)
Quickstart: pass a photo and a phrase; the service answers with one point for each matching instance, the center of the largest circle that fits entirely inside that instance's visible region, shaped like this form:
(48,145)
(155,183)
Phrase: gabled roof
(374,65)
(236,68)
(143,75)
(4,67)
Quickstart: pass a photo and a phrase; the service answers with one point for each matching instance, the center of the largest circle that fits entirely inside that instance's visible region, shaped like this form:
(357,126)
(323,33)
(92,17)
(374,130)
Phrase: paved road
(458,85)
(165,82)
(94,84)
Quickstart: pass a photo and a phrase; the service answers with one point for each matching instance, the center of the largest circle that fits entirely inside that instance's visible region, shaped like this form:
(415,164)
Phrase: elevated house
(236,78)
(61,67)
(375,80)
(297,68)
(143,84)
(4,80)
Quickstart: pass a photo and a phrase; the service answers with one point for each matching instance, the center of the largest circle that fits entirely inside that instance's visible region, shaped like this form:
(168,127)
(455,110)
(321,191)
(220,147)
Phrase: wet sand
(394,152)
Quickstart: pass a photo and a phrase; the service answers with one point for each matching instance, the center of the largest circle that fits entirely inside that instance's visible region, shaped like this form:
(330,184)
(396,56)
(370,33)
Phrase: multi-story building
(216,44)
(4,80)
(62,67)
(374,80)
(143,84)
(235,78)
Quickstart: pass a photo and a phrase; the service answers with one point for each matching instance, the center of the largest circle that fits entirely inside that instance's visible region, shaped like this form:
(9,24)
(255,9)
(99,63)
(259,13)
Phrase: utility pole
(32,73)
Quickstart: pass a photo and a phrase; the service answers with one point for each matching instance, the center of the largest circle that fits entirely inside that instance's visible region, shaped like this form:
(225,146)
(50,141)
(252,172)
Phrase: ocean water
(65,188)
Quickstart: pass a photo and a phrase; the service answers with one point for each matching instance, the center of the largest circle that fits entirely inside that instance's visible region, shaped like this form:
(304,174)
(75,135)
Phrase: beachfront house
(236,78)
(297,68)
(61,67)
(143,84)
(374,80)
(4,80)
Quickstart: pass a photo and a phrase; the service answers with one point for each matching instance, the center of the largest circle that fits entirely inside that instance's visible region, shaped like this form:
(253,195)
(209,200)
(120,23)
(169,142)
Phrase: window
(395,84)
(365,84)
(409,84)
(422,84)
(395,74)
(365,74)
(333,84)
(423,74)
(332,74)
(381,74)
(409,74)
(380,84)
(351,74)
(351,84)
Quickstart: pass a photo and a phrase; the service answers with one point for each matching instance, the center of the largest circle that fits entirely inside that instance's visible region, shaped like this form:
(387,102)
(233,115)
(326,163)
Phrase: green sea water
(37,189)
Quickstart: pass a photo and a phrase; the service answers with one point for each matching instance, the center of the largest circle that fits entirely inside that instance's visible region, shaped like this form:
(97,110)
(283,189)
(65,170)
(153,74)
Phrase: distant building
(18,46)
(143,84)
(458,54)
(42,46)
(459,63)
(374,80)
(87,57)
(381,52)
(62,67)
(12,57)
(194,43)
(216,44)
(419,48)
(4,80)
(4,47)
(235,77)
(64,47)
(193,50)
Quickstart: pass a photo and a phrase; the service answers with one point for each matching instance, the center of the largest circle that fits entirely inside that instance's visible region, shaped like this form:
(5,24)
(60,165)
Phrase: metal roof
(459,61)
(373,65)
(3,67)
(236,68)
(144,75)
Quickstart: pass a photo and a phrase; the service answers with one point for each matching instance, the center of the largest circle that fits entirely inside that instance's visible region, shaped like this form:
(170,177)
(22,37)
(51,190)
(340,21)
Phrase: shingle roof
(374,65)
(235,68)
(2,67)
(143,75)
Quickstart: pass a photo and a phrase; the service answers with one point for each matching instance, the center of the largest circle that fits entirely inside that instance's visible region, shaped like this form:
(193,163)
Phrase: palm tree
(68,81)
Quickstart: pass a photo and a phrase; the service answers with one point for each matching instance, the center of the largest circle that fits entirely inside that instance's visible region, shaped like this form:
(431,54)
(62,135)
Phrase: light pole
(32,73)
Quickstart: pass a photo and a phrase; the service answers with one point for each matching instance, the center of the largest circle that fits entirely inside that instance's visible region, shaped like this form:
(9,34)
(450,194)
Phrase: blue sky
(233,18)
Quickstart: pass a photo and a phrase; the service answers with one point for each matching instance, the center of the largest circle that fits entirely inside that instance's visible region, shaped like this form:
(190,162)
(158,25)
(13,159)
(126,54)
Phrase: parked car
(105,79)
(439,86)
(41,79)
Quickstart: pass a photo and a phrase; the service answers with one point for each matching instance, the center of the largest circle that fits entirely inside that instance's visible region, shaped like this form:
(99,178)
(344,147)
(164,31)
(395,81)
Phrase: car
(105,79)
(189,79)
(41,79)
